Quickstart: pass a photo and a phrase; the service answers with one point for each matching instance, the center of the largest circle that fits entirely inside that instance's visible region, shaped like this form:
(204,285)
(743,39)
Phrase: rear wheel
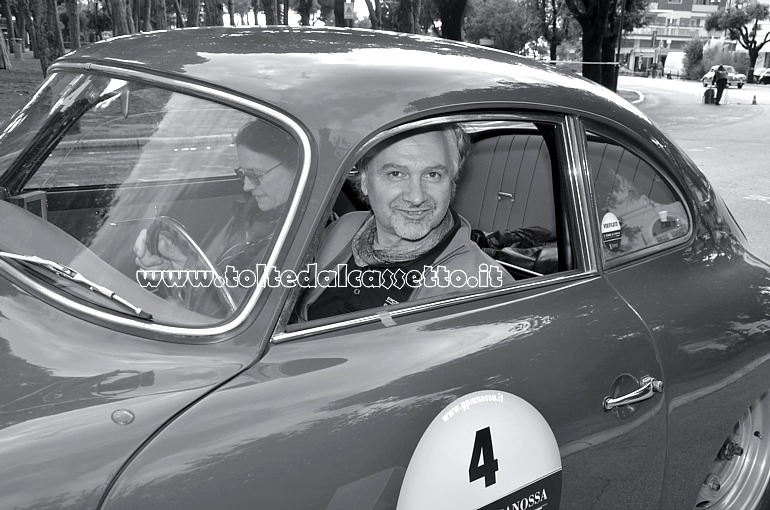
(738,479)
(740,85)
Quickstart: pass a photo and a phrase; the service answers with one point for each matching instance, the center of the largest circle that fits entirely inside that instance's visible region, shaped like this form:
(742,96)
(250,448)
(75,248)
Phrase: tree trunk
(119,17)
(47,30)
(73,15)
(159,16)
(269,7)
(255,8)
(194,13)
(451,13)
(25,19)
(132,20)
(375,14)
(339,13)
(231,12)
(147,15)
(5,57)
(608,71)
(9,22)
(212,13)
(178,11)
(303,8)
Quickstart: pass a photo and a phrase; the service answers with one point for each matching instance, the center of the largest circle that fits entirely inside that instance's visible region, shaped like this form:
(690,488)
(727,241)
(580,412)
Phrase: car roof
(352,81)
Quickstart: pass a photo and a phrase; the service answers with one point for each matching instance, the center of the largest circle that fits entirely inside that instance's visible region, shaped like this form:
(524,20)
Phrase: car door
(338,412)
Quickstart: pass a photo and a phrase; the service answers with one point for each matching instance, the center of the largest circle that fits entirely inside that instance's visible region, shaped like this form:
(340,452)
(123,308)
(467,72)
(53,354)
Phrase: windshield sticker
(611,232)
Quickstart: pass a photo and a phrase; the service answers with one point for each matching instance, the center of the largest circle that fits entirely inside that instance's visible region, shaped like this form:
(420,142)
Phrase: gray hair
(454,136)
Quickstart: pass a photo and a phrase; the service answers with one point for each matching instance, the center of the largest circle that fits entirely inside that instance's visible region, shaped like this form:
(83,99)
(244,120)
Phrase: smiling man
(411,245)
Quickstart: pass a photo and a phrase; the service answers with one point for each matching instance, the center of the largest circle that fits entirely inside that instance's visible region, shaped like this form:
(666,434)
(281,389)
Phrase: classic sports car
(626,366)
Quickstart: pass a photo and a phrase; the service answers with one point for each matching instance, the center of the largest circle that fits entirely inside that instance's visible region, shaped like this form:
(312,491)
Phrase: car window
(637,208)
(170,201)
(508,205)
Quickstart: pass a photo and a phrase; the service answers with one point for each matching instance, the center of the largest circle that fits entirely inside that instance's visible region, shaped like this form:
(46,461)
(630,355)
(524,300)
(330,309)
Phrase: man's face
(409,185)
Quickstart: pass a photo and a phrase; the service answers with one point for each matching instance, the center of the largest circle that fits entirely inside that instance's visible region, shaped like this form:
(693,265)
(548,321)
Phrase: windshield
(159,196)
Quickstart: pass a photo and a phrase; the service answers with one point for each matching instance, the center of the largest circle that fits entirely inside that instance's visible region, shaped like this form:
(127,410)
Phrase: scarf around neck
(368,252)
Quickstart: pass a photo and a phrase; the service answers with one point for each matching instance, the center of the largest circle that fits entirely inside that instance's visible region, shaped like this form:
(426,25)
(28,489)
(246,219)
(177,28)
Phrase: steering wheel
(195,298)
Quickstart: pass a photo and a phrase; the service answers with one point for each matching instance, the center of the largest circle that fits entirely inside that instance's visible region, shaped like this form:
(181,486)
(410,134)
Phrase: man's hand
(169,256)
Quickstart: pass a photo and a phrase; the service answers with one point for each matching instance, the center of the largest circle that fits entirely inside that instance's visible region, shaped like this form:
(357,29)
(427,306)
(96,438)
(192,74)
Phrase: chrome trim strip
(575,279)
(577,159)
(227,98)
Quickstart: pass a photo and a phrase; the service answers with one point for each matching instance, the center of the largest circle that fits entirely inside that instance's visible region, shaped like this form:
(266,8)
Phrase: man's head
(410,181)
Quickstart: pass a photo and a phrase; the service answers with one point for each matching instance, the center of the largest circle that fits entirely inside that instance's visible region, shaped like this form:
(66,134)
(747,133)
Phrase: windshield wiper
(72,275)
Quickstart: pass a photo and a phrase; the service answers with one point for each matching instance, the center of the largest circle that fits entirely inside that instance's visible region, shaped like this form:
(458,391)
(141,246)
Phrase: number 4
(483,447)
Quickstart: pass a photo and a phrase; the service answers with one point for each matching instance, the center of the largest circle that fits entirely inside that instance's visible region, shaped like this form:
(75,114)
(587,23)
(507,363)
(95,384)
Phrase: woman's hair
(266,138)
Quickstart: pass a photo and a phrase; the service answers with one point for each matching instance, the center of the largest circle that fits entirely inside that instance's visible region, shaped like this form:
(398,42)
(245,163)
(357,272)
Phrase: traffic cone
(754,101)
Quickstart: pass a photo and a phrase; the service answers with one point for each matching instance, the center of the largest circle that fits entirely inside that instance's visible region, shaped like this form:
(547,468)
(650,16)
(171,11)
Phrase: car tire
(705,84)
(739,479)
(740,85)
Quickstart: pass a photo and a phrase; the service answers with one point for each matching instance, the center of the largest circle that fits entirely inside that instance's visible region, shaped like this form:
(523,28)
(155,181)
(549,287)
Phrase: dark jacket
(461,253)
(720,76)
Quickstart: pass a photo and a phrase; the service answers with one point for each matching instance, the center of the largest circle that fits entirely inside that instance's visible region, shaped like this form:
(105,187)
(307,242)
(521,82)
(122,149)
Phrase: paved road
(730,142)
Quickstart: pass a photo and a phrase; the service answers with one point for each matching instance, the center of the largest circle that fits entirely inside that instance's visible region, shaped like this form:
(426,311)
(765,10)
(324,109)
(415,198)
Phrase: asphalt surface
(730,143)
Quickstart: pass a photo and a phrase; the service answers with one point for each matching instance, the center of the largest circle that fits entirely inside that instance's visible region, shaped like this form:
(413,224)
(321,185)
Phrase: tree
(212,13)
(599,20)
(8,19)
(73,23)
(451,13)
(550,20)
(119,17)
(693,58)
(50,44)
(193,13)
(736,21)
(270,15)
(504,21)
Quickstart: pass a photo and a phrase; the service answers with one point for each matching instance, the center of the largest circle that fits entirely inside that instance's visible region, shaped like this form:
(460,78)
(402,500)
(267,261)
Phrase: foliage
(716,53)
(504,21)
(599,20)
(742,24)
(693,59)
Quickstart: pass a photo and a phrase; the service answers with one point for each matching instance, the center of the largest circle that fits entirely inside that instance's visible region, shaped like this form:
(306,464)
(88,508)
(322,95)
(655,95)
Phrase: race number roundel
(488,450)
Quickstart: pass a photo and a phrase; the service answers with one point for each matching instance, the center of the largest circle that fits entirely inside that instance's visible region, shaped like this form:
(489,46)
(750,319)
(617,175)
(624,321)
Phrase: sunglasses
(253,175)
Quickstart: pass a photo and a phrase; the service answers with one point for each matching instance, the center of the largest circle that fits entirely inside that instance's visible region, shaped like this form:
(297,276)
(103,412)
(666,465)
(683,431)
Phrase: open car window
(510,198)
(113,169)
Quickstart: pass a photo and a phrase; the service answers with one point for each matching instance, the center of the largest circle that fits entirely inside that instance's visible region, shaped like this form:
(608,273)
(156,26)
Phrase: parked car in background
(627,365)
(764,77)
(734,79)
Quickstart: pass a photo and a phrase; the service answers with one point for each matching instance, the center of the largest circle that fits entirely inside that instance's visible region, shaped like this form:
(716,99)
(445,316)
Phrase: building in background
(670,25)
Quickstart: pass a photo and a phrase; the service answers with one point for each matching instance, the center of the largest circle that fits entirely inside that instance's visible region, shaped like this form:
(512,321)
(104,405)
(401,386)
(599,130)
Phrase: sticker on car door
(489,450)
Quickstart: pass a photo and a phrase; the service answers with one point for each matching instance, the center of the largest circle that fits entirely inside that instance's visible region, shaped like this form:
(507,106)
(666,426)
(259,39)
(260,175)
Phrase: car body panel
(262,432)
(734,79)
(63,379)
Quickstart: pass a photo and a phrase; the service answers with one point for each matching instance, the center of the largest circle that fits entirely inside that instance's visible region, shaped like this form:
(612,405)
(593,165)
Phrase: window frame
(635,148)
(185,333)
(576,211)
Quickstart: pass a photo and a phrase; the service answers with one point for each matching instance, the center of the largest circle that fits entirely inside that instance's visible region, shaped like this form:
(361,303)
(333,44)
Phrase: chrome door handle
(649,387)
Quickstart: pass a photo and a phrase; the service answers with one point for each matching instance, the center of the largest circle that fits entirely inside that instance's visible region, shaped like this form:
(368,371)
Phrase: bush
(716,53)
(693,59)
